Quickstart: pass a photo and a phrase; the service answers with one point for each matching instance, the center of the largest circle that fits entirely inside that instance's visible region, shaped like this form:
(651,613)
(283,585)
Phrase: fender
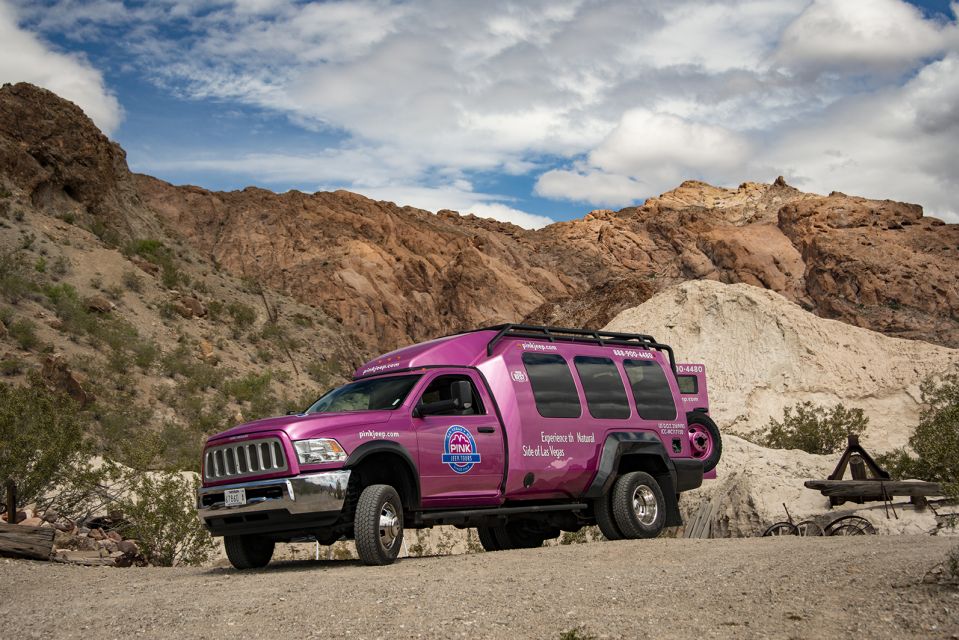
(632,443)
(387,446)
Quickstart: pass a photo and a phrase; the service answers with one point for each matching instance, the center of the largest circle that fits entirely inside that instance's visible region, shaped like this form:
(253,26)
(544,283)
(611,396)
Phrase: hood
(301,426)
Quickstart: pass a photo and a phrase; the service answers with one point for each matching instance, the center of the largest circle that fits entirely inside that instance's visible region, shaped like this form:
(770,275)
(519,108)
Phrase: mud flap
(673,517)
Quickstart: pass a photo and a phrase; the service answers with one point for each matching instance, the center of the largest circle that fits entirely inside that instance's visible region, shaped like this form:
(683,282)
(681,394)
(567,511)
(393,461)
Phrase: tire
(488,539)
(603,511)
(516,536)
(378,525)
(639,508)
(704,430)
(248,552)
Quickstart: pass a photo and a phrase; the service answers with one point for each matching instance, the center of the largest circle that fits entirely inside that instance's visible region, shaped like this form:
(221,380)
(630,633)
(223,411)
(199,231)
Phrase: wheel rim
(644,505)
(700,441)
(390,526)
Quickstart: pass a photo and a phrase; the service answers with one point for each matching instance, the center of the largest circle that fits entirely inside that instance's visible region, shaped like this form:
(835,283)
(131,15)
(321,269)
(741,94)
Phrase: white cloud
(592,186)
(859,36)
(26,58)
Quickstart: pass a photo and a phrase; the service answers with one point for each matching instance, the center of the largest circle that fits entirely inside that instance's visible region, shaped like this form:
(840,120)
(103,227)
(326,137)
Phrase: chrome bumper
(312,493)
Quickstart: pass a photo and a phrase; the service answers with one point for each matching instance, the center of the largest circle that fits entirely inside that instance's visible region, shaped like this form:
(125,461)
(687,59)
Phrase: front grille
(241,459)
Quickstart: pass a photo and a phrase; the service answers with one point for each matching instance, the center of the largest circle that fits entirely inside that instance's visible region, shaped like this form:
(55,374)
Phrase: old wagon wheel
(850,526)
(781,529)
(809,528)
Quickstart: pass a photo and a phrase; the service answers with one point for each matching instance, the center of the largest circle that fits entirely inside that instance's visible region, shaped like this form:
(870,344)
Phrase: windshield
(366,395)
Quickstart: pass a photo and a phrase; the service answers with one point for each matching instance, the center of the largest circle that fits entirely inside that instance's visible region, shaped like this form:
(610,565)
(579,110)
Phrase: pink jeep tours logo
(459,449)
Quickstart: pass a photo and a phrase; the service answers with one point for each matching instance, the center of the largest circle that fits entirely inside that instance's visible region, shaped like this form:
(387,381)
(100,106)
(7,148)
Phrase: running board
(469,514)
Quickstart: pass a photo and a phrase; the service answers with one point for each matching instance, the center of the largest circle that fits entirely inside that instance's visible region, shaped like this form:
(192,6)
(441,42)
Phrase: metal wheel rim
(644,505)
(390,527)
(781,529)
(700,441)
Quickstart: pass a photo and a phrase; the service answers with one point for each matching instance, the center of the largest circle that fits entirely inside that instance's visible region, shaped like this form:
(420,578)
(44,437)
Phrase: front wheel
(638,505)
(248,552)
(378,525)
(487,538)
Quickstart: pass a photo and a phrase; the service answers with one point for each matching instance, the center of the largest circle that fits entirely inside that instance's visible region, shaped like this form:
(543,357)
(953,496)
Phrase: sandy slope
(764,353)
(746,588)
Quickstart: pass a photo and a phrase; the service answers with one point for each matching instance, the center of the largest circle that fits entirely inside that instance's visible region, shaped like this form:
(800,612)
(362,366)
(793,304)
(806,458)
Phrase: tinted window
(366,395)
(552,384)
(654,401)
(441,389)
(605,393)
(688,384)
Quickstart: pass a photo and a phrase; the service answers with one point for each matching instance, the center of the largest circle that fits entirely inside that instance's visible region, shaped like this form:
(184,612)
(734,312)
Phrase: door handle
(486,429)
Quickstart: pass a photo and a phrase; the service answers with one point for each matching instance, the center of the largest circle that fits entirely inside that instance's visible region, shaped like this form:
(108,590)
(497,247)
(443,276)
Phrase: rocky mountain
(393,274)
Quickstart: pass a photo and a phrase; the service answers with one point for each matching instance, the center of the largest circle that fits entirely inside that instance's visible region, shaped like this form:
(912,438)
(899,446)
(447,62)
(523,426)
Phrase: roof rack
(562,334)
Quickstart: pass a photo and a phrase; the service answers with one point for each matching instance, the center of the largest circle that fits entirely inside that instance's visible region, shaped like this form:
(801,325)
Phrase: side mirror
(462,392)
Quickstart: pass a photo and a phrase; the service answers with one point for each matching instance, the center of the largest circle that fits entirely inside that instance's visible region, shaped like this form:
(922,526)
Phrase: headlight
(319,450)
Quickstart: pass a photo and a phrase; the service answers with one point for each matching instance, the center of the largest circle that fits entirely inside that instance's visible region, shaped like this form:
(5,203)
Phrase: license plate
(234,497)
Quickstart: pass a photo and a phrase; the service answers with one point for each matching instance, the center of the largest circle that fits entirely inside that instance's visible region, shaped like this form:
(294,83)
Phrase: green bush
(155,251)
(44,446)
(24,332)
(243,317)
(16,281)
(162,517)
(257,390)
(812,428)
(935,442)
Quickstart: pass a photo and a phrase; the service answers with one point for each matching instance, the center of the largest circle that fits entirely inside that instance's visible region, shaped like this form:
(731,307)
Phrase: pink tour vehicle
(520,431)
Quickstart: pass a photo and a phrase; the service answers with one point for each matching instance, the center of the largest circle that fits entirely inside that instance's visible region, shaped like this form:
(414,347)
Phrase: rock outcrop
(764,353)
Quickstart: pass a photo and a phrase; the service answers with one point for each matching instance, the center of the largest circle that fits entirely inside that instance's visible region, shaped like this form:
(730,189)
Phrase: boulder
(195,306)
(146,265)
(99,304)
(57,373)
(206,351)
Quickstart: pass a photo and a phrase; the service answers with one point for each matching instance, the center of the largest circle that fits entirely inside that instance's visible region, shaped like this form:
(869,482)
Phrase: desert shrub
(158,253)
(16,281)
(214,310)
(40,266)
(60,267)
(812,428)
(257,391)
(162,517)
(11,366)
(243,317)
(197,375)
(132,281)
(24,332)
(934,445)
(44,446)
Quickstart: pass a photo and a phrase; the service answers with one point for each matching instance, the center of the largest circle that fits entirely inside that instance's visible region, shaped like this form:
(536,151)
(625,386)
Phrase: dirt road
(737,588)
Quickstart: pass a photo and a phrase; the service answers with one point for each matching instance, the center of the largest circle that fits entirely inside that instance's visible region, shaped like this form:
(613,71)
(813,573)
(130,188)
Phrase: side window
(552,384)
(441,389)
(688,384)
(654,401)
(605,393)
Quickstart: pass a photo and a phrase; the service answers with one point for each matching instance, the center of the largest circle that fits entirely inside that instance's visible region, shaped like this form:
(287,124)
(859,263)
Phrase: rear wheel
(487,538)
(704,439)
(378,525)
(248,552)
(638,505)
(516,535)
(603,511)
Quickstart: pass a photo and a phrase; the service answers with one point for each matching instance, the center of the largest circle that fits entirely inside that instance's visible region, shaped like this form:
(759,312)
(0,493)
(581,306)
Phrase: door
(461,457)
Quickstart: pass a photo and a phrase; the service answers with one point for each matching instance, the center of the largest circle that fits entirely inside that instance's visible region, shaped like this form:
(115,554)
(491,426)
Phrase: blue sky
(524,111)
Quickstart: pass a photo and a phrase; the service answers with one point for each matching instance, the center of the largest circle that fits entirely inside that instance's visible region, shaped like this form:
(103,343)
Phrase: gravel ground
(867,587)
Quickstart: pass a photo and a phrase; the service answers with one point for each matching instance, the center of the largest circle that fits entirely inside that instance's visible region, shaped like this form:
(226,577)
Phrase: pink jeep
(520,431)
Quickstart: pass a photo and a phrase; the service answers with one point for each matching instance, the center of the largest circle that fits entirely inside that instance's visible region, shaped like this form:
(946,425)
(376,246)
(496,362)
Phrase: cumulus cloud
(26,58)
(862,36)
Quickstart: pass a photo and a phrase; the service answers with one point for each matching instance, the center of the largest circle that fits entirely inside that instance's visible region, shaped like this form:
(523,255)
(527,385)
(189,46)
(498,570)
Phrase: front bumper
(316,494)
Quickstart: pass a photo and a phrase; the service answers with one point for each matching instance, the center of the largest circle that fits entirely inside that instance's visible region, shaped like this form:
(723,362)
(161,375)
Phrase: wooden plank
(874,489)
(26,542)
